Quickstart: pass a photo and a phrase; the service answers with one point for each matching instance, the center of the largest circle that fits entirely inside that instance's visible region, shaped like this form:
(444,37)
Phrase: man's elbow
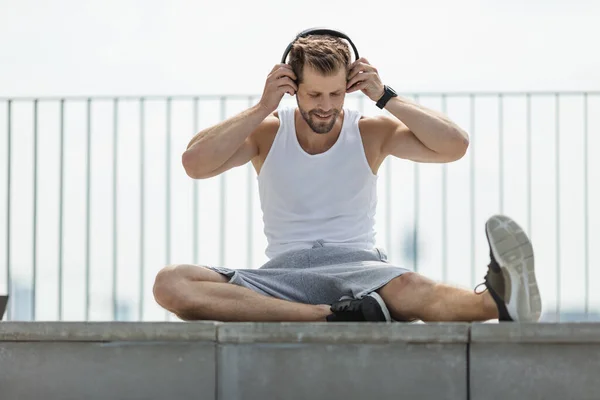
(190,165)
(459,147)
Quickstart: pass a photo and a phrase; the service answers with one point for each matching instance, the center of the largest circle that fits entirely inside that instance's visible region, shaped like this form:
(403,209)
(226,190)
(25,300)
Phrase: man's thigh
(197,273)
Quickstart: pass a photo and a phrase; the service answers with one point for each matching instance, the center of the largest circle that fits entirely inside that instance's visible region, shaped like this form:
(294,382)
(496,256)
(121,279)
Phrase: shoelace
(483,291)
(484,283)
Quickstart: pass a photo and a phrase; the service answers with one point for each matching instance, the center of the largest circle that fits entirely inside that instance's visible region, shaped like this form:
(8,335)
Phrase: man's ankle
(323,310)
(489,305)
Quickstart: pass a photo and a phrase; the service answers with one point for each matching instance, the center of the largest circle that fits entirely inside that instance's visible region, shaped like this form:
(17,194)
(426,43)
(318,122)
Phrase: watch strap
(388,93)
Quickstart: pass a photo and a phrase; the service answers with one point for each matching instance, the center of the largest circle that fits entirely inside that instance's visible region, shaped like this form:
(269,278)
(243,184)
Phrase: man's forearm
(212,147)
(433,129)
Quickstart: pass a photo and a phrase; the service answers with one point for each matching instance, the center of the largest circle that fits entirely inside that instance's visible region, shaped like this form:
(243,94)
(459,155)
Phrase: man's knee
(410,281)
(404,294)
(166,285)
(172,285)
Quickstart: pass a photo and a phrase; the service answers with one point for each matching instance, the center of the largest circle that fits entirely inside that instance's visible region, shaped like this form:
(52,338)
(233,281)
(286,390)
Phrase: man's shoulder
(375,125)
(270,124)
(267,129)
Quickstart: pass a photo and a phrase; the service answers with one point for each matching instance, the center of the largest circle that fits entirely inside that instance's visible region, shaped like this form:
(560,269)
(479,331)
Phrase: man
(317,170)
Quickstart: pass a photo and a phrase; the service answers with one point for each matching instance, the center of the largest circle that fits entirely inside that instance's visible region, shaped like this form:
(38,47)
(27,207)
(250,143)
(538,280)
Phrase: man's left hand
(364,77)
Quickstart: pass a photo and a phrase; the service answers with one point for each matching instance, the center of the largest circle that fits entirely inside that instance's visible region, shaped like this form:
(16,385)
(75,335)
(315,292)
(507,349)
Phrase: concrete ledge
(536,333)
(535,361)
(342,361)
(100,371)
(107,360)
(344,333)
(107,331)
(210,360)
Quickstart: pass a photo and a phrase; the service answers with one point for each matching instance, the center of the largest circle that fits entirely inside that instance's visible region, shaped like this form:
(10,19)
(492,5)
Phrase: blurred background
(98,100)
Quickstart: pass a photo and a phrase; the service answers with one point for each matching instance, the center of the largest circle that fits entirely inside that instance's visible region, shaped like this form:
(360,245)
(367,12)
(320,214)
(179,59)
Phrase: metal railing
(523,146)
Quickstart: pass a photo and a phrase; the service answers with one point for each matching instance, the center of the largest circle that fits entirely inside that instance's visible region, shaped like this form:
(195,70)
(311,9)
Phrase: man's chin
(322,126)
(321,129)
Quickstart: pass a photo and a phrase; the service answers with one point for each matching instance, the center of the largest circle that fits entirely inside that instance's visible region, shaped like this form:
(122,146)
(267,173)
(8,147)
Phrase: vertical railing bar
(444,207)
(142,248)
(388,205)
(60,213)
(250,219)
(388,198)
(501,152)
(416,211)
(529,167)
(586,249)
(88,209)
(472,185)
(8,207)
(196,221)
(557,150)
(114,204)
(35,201)
(168,191)
(223,193)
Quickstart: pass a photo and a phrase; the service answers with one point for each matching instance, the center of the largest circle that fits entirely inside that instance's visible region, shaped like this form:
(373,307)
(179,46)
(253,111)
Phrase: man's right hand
(280,81)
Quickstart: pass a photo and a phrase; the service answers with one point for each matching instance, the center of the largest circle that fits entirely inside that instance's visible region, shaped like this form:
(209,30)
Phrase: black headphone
(319,31)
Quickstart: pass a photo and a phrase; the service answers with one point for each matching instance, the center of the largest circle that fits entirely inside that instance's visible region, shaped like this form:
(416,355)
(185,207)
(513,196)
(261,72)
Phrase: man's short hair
(326,54)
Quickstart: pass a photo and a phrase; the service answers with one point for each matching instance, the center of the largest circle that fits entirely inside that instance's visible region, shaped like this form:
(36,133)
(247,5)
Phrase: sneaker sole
(384,309)
(513,252)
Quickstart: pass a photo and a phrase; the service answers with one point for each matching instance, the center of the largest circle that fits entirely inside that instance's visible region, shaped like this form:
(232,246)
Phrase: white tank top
(331,197)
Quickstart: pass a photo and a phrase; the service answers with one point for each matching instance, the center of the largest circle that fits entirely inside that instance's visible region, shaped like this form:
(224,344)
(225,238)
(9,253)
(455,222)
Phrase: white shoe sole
(384,309)
(513,252)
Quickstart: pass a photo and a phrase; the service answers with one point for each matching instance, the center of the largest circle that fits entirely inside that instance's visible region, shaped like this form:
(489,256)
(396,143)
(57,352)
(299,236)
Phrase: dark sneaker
(370,308)
(511,277)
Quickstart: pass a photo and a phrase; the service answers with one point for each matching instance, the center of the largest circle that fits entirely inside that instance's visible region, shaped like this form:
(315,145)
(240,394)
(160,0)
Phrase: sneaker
(369,308)
(511,277)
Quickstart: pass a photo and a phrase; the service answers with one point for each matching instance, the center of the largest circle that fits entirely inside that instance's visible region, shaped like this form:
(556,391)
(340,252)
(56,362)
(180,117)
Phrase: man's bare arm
(211,149)
(417,125)
(416,133)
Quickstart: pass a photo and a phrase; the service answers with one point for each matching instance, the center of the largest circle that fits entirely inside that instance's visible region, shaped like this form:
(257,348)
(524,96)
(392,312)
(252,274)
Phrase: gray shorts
(320,275)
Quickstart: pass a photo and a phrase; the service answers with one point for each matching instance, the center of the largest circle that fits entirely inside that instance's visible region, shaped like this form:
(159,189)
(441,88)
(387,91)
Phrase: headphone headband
(319,31)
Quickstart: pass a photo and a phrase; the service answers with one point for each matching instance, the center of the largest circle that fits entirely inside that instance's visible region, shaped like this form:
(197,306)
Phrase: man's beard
(319,125)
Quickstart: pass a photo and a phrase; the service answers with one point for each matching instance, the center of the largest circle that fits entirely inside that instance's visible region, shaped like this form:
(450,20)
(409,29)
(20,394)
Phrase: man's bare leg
(512,292)
(197,293)
(414,297)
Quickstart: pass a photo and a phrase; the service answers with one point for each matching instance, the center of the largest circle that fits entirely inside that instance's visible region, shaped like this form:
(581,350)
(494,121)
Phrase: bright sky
(150,47)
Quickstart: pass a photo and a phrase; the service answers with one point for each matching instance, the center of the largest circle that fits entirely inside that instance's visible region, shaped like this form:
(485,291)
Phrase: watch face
(392,91)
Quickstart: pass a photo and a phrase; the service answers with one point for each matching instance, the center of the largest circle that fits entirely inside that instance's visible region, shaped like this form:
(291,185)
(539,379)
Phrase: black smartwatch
(388,93)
